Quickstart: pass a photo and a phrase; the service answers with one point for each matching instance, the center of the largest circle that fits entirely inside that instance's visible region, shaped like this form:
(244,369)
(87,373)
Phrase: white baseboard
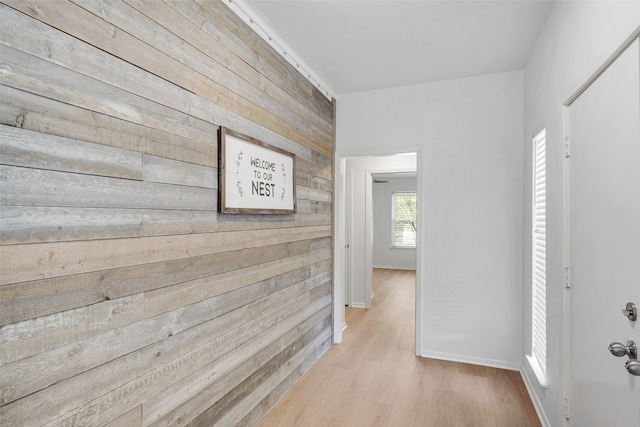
(501,364)
(357,305)
(344,326)
(542,416)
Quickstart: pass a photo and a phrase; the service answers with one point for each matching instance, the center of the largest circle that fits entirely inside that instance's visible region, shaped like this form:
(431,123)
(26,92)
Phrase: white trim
(419,152)
(357,305)
(501,364)
(244,12)
(537,371)
(566,258)
(381,152)
(394,267)
(420,242)
(604,65)
(368,238)
(346,216)
(339,248)
(537,405)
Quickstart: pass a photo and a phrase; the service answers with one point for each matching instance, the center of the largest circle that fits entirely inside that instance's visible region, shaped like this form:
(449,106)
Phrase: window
(538,358)
(403,217)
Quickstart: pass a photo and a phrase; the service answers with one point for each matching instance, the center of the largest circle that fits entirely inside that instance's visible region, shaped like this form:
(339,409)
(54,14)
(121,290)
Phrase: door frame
(369,217)
(348,276)
(566,229)
(339,240)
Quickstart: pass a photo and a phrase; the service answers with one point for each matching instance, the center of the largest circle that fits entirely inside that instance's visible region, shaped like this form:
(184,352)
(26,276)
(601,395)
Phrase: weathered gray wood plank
(281,371)
(308,180)
(133,418)
(33,336)
(243,222)
(202,277)
(23,109)
(30,224)
(36,187)
(312,194)
(225,411)
(199,57)
(29,111)
(45,260)
(193,13)
(218,21)
(228,369)
(285,75)
(53,17)
(90,28)
(319,166)
(167,171)
(313,207)
(38,76)
(20,147)
(31,374)
(37,224)
(162,301)
(254,416)
(144,374)
(181,392)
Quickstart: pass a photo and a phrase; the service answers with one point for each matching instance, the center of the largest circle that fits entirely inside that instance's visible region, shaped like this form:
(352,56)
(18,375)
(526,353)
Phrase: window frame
(538,357)
(394,244)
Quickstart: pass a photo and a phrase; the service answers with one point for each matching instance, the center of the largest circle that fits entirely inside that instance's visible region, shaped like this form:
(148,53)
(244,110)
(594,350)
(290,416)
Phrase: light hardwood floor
(373,377)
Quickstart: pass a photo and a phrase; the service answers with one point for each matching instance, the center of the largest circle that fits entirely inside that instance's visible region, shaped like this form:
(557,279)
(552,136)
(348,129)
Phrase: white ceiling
(359,45)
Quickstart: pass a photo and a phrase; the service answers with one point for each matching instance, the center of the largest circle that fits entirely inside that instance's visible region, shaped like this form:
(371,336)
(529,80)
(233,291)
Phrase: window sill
(402,247)
(540,376)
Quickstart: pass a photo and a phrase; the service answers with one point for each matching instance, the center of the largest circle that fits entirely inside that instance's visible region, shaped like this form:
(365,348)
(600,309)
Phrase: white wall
(577,39)
(470,176)
(384,256)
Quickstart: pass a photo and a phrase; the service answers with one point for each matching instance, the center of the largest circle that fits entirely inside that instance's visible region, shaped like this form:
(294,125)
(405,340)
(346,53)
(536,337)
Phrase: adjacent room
(319,213)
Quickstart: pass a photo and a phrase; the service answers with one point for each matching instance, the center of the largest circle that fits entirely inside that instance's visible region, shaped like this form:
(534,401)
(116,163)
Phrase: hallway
(373,377)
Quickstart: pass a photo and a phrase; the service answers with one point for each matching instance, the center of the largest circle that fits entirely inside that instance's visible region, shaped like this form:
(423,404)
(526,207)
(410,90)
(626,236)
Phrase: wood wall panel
(29,111)
(113,258)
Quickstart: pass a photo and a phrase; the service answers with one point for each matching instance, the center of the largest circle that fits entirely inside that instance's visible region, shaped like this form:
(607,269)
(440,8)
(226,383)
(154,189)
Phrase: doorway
(354,232)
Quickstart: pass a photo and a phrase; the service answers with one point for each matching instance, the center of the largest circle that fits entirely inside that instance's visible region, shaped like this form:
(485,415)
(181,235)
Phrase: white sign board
(255,177)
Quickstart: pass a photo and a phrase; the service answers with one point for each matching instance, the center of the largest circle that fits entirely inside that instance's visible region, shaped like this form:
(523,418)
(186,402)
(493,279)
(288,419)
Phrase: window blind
(404,219)
(539,238)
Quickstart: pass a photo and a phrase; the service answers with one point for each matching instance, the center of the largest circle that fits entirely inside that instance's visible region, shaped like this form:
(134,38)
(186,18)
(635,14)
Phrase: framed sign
(255,178)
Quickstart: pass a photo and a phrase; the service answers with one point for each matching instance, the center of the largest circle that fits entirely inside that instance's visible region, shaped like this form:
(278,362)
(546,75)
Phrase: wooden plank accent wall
(125,298)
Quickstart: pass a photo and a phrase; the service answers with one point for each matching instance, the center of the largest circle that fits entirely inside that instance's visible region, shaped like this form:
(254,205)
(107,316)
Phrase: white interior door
(604,244)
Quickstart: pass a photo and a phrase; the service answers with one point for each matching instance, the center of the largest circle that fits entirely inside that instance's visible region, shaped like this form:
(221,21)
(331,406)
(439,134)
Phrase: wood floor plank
(373,377)
(371,414)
